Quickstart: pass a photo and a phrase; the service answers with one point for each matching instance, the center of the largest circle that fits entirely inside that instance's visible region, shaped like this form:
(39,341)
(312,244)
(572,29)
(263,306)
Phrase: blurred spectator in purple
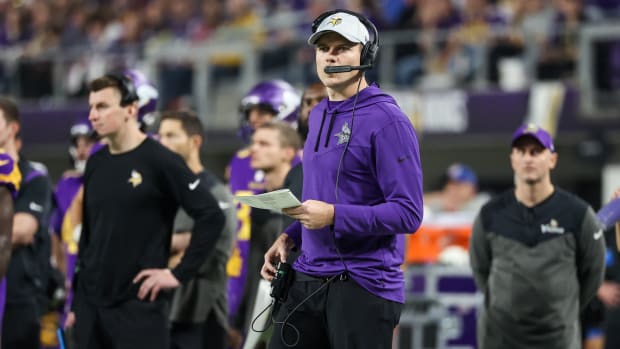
(128,48)
(14,29)
(483,26)
(177,77)
(154,23)
(34,70)
(603,8)
(370,8)
(433,20)
(392,10)
(558,59)
(211,17)
(529,25)
(74,33)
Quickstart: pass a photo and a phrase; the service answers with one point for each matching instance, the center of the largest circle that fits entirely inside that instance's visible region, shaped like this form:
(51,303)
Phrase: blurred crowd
(449,42)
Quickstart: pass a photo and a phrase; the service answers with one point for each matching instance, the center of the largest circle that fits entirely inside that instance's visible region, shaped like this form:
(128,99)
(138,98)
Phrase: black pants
(209,334)
(343,315)
(20,325)
(612,324)
(129,325)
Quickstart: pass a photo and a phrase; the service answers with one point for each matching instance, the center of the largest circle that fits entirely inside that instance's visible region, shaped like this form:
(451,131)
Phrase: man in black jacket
(537,253)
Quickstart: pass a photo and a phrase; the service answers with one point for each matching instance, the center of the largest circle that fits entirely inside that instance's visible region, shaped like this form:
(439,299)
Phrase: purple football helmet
(80,128)
(278,96)
(147,96)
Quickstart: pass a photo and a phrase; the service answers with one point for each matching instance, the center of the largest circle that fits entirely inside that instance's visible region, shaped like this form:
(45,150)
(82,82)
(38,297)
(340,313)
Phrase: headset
(370,49)
(126,87)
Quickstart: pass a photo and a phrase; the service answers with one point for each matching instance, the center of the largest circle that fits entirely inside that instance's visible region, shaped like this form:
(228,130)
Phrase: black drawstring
(318,136)
(329,129)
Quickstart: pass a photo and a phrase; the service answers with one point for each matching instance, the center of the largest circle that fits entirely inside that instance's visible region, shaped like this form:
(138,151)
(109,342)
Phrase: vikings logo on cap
(346,24)
(531,128)
(334,21)
(535,131)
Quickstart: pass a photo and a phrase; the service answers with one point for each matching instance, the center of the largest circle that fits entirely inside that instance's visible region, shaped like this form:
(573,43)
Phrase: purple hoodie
(379,192)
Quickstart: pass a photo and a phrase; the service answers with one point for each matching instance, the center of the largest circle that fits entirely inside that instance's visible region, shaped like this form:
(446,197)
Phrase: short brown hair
(189,121)
(121,83)
(104,82)
(9,109)
(287,136)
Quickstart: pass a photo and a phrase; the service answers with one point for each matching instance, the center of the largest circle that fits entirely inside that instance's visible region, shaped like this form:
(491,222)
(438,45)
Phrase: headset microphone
(345,68)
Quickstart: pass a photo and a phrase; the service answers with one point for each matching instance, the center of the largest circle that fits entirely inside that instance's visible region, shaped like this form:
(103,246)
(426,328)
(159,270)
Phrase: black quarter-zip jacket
(538,267)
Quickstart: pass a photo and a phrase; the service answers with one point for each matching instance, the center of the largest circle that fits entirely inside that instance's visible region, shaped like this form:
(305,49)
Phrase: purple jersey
(96,147)
(243,181)
(66,190)
(11,178)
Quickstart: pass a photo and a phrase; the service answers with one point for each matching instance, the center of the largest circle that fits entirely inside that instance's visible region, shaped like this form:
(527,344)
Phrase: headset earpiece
(127,87)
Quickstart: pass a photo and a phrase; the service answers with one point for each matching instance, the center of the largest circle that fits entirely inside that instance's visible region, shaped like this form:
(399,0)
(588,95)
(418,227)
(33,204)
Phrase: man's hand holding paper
(312,214)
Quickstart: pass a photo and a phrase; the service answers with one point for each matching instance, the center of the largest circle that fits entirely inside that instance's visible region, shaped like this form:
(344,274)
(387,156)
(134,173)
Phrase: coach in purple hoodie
(362,191)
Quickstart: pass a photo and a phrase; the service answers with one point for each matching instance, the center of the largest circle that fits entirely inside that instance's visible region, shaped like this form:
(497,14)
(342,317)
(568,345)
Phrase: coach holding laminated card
(362,191)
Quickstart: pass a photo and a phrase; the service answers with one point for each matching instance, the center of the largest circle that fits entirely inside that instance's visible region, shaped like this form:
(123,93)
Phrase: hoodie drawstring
(318,137)
(330,128)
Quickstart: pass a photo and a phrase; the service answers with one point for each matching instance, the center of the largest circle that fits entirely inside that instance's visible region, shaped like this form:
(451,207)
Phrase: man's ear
(132,109)
(554,160)
(14,127)
(290,154)
(196,141)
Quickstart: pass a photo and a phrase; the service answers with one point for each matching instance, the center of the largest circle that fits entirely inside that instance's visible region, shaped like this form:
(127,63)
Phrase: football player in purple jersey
(272,100)
(65,231)
(10,178)
(27,274)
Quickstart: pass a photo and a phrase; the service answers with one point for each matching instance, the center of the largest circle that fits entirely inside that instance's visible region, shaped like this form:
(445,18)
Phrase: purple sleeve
(399,174)
(294,232)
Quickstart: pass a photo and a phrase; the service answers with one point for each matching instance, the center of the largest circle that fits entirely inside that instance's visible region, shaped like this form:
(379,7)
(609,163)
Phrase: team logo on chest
(135,179)
(551,228)
(344,134)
